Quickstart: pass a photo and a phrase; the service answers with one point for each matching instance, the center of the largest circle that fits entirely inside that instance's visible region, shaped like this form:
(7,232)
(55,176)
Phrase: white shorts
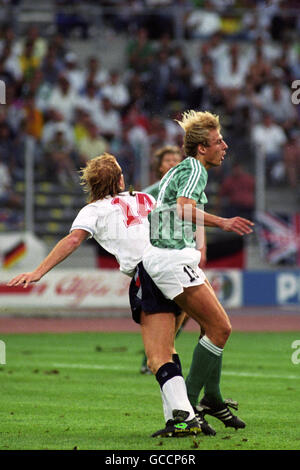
(172,270)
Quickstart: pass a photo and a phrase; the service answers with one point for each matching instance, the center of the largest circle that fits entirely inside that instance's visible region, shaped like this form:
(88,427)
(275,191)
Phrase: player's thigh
(158,332)
(201,303)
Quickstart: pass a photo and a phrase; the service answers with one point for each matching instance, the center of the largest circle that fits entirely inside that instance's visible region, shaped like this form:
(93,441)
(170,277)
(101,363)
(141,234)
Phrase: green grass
(84,390)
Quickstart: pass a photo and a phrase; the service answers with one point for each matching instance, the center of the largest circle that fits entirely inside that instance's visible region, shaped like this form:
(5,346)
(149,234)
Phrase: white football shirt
(120,225)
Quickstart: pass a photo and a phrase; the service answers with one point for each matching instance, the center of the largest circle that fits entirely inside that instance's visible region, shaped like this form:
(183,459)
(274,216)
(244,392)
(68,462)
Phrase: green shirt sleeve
(192,180)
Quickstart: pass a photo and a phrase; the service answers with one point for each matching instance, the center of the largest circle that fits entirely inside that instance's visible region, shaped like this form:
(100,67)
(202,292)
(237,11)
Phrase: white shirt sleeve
(86,219)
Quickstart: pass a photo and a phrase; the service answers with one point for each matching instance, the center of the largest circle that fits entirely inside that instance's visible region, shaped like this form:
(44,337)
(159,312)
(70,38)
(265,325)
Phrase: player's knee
(227,330)
(224,333)
(220,334)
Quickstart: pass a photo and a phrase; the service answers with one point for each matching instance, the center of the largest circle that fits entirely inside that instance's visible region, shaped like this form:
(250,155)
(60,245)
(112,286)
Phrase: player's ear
(201,149)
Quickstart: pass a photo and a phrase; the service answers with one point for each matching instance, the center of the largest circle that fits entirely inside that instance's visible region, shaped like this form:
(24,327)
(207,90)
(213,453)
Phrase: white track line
(225,372)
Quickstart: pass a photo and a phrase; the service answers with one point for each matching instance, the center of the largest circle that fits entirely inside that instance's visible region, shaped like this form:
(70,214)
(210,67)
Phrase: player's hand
(238,225)
(24,279)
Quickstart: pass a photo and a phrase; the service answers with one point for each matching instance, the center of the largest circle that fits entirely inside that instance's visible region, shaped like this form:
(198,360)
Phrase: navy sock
(167,372)
(176,360)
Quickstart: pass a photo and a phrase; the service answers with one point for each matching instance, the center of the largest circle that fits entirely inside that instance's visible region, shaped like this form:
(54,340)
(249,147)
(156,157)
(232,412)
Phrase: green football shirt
(153,189)
(167,230)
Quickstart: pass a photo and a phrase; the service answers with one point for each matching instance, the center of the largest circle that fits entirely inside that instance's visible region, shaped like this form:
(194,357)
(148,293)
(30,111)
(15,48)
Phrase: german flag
(14,254)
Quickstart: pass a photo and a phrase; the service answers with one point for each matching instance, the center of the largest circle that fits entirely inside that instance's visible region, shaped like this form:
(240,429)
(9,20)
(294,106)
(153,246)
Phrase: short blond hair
(101,177)
(197,126)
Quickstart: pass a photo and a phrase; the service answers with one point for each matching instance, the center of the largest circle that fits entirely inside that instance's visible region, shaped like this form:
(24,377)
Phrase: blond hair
(197,126)
(101,177)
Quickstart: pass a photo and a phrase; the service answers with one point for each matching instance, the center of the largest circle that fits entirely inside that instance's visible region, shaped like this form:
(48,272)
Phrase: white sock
(175,394)
(167,410)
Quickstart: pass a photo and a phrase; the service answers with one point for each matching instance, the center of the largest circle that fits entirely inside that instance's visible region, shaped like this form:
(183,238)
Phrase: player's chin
(218,163)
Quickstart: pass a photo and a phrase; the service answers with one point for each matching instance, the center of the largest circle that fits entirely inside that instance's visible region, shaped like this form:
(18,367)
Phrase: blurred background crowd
(237,59)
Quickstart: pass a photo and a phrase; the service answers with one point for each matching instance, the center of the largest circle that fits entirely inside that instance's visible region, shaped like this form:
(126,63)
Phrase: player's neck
(202,160)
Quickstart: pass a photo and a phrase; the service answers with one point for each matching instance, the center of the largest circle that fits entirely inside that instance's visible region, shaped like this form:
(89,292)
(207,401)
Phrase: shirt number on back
(144,206)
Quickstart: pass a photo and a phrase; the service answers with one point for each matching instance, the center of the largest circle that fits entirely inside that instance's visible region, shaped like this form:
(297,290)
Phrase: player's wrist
(221,222)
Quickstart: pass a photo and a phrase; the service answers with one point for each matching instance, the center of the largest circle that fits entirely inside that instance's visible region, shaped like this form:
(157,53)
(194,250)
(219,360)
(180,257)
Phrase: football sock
(176,360)
(207,360)
(167,410)
(173,390)
(212,392)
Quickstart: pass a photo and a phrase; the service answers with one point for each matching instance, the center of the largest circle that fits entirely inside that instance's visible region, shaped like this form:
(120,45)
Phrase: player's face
(169,160)
(214,154)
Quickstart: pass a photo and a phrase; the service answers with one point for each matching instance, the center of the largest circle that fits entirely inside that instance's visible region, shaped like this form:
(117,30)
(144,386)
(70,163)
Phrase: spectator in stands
(158,136)
(57,42)
(5,74)
(80,124)
(181,73)
(59,162)
(231,71)
(41,89)
(6,145)
(295,67)
(259,71)
(8,37)
(39,43)
(116,91)
(160,77)
(55,122)
(28,61)
(270,137)
(126,157)
(291,158)
(14,113)
(138,138)
(203,22)
(108,120)
(8,198)
(11,63)
(140,52)
(89,99)
(276,100)
(94,72)
(91,145)
(236,193)
(73,72)
(33,117)
(51,66)
(63,98)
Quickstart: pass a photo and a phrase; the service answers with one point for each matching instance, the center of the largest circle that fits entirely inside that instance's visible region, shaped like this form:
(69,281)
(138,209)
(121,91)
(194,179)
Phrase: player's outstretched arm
(61,251)
(186,208)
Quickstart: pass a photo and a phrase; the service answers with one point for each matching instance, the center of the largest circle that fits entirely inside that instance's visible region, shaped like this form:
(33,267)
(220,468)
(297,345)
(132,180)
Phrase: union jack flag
(279,237)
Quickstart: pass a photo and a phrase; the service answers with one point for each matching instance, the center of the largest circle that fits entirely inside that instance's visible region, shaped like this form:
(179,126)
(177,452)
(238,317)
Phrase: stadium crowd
(239,66)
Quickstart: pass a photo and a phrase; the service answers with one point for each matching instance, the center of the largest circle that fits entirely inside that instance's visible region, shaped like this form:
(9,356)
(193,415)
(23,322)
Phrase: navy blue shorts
(145,296)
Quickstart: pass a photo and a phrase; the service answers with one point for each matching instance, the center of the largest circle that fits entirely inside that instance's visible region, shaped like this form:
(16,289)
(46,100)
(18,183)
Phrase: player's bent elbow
(74,241)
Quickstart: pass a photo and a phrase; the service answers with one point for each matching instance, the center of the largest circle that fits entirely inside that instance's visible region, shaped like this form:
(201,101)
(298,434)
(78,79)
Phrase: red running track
(246,319)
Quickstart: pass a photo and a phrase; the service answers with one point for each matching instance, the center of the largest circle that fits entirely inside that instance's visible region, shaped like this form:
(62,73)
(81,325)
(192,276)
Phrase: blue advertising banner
(271,287)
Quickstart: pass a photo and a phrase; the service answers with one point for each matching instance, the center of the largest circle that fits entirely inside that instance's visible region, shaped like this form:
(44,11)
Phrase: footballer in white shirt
(118,221)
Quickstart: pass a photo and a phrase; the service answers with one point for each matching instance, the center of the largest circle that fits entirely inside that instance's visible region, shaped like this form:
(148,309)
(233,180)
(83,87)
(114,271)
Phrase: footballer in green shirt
(172,259)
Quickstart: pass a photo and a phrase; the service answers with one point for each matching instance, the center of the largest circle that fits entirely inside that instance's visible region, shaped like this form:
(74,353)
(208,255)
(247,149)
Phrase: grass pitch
(84,391)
